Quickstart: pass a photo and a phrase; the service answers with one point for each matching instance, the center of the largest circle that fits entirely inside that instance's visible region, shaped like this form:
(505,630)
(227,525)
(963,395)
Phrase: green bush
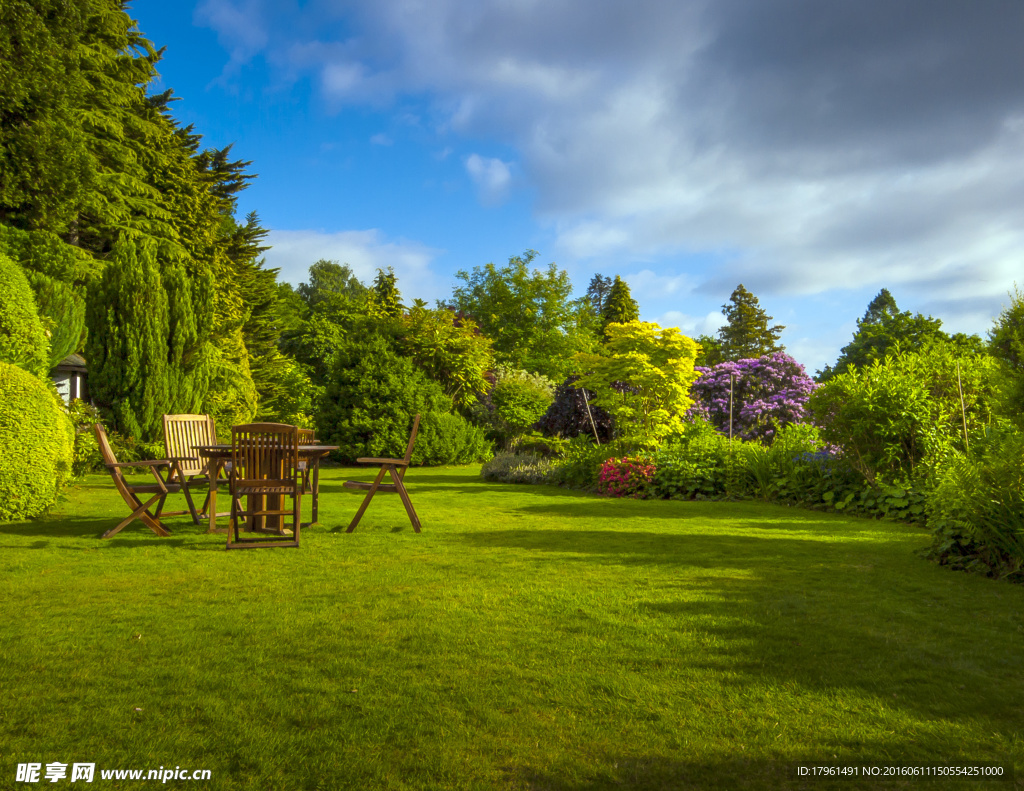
(580,464)
(22,337)
(38,444)
(371,399)
(695,465)
(976,508)
(518,468)
(892,415)
(87,456)
(449,439)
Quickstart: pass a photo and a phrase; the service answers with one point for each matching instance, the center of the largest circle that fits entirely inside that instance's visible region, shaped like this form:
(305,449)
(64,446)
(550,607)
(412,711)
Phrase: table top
(224,450)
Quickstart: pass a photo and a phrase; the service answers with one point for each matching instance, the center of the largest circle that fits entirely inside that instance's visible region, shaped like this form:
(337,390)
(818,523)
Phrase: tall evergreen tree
(883,328)
(597,293)
(747,333)
(619,307)
(129,326)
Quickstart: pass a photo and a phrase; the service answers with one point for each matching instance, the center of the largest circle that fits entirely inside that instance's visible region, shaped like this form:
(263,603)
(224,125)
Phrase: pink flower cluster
(625,477)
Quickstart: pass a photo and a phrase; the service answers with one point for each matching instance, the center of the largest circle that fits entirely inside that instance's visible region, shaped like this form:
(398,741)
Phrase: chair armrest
(399,462)
(152,463)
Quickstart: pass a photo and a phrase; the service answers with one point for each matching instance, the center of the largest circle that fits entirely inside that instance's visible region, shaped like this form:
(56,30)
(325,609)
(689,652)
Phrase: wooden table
(218,455)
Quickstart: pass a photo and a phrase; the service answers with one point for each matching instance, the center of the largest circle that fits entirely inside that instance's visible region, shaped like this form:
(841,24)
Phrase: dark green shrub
(371,399)
(568,416)
(23,339)
(449,439)
(33,428)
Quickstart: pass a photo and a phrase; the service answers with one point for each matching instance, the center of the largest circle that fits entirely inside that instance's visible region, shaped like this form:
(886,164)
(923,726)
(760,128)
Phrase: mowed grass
(528,638)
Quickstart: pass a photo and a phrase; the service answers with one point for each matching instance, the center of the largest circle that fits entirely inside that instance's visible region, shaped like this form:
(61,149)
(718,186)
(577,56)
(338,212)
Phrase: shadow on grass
(135,534)
(828,615)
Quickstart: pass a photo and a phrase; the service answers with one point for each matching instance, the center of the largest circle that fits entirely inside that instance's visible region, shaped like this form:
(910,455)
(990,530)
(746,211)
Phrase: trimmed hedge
(22,337)
(37,442)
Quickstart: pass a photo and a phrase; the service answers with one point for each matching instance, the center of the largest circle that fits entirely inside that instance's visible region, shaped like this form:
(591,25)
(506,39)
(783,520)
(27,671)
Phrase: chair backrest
(306,436)
(182,434)
(412,439)
(110,460)
(105,450)
(267,452)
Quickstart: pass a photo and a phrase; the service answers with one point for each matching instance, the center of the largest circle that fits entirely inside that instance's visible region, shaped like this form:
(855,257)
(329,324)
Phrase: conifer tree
(747,333)
(883,327)
(127,349)
(597,293)
(619,307)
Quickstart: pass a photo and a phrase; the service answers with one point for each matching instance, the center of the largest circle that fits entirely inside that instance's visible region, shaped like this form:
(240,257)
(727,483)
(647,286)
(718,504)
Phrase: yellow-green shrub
(36,444)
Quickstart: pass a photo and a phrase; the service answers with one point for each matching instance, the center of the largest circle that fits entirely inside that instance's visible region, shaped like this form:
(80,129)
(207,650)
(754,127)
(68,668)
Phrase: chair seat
(384,487)
(240,490)
(153,488)
(399,462)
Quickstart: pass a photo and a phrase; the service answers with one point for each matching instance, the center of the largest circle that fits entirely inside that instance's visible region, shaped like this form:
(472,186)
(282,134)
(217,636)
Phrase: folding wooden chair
(390,466)
(131,491)
(265,468)
(182,435)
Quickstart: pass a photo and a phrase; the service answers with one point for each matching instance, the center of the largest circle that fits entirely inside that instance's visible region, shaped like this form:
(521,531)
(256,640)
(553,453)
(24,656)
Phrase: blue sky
(815,152)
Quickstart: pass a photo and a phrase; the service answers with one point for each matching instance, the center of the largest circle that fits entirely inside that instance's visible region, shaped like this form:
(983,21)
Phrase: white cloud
(293,252)
(491,176)
(692,326)
(381,139)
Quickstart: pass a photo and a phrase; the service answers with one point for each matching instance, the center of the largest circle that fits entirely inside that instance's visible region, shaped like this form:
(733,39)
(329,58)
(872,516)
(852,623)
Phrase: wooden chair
(131,491)
(396,469)
(182,434)
(265,468)
(306,437)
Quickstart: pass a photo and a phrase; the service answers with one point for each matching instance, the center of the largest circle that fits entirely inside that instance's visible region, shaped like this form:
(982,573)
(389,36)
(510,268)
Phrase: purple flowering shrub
(626,477)
(768,393)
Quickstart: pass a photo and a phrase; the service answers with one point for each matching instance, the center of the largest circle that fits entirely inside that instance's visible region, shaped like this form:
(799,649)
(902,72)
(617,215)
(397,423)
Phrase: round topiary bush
(22,337)
(38,444)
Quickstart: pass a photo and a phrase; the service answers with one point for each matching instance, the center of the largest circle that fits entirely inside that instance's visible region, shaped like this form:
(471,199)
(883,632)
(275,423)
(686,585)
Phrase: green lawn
(528,638)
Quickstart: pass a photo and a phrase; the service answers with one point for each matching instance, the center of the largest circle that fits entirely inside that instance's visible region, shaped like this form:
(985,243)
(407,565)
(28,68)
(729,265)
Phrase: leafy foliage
(976,509)
(32,426)
(452,352)
(767,393)
(371,399)
(889,416)
(527,313)
(23,340)
(656,365)
(747,333)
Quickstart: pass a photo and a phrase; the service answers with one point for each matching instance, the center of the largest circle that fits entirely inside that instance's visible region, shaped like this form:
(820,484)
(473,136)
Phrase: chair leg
(316,489)
(140,514)
(188,499)
(296,516)
(366,500)
(400,488)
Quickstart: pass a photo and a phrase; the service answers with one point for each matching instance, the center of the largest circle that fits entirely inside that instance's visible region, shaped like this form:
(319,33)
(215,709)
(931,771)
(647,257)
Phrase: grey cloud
(830,145)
